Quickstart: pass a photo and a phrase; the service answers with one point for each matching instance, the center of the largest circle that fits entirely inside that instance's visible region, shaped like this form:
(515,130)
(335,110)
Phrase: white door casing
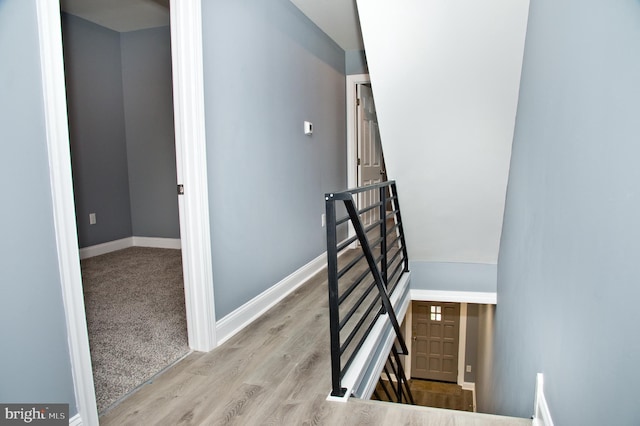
(186,42)
(370,168)
(369,146)
(190,140)
(57,134)
(352,135)
(352,127)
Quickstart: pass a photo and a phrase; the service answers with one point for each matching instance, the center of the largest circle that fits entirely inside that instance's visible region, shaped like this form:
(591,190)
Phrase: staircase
(368,283)
(368,277)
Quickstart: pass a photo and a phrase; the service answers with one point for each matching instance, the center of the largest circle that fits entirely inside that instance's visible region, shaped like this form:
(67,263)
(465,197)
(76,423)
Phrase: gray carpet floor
(134,301)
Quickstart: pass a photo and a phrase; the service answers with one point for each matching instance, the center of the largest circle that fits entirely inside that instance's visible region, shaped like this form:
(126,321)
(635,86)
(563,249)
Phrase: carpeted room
(120,109)
(134,301)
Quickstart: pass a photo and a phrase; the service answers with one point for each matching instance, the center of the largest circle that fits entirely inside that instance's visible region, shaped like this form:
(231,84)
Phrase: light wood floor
(275,372)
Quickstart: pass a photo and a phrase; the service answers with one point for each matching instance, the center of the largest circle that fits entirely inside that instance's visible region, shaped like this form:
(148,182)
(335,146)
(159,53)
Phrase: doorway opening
(191,171)
(364,146)
(435,335)
(449,345)
(365,157)
(120,110)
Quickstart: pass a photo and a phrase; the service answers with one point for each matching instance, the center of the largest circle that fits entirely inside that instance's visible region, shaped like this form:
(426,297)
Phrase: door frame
(461,336)
(352,127)
(186,38)
(352,133)
(191,166)
(462,343)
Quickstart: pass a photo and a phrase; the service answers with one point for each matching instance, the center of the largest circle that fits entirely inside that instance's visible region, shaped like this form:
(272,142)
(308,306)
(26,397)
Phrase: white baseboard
(247,313)
(105,248)
(75,420)
(166,243)
(110,246)
(472,387)
(542,415)
(484,298)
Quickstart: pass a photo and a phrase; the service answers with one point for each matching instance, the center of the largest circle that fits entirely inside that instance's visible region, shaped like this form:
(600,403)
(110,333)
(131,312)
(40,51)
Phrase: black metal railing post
(334,320)
(400,226)
(383,235)
(403,383)
(393,374)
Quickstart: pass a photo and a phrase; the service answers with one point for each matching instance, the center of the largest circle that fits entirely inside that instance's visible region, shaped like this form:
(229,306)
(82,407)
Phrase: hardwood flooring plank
(274,372)
(239,408)
(287,413)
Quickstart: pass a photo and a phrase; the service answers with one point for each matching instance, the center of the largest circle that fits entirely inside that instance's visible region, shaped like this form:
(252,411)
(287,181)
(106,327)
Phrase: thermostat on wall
(308,128)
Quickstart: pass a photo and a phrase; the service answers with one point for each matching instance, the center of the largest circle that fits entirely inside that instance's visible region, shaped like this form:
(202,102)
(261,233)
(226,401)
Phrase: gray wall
(119,91)
(97,130)
(568,276)
(267,69)
(356,62)
(471,345)
(34,360)
(453,276)
(148,115)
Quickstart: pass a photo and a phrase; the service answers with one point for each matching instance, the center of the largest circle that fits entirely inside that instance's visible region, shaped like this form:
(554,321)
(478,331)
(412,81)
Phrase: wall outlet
(468,369)
(323,219)
(92,218)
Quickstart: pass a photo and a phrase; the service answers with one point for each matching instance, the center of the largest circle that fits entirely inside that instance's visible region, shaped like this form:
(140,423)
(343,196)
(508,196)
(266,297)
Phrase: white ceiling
(337,18)
(120,15)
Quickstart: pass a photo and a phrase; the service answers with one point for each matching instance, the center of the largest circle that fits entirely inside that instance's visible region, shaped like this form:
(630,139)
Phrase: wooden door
(435,341)
(370,165)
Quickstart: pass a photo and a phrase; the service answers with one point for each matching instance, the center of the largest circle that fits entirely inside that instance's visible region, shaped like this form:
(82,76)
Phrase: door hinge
(358,161)
(180,189)
(358,102)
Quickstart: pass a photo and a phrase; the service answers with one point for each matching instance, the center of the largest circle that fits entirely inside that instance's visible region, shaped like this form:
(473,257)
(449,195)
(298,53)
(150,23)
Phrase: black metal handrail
(359,291)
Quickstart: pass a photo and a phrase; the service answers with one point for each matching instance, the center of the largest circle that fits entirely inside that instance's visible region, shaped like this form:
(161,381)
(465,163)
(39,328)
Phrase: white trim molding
(462,343)
(104,248)
(352,135)
(234,322)
(191,162)
(75,420)
(483,298)
(471,386)
(541,413)
(157,242)
(57,131)
(111,246)
(352,131)
(408,333)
